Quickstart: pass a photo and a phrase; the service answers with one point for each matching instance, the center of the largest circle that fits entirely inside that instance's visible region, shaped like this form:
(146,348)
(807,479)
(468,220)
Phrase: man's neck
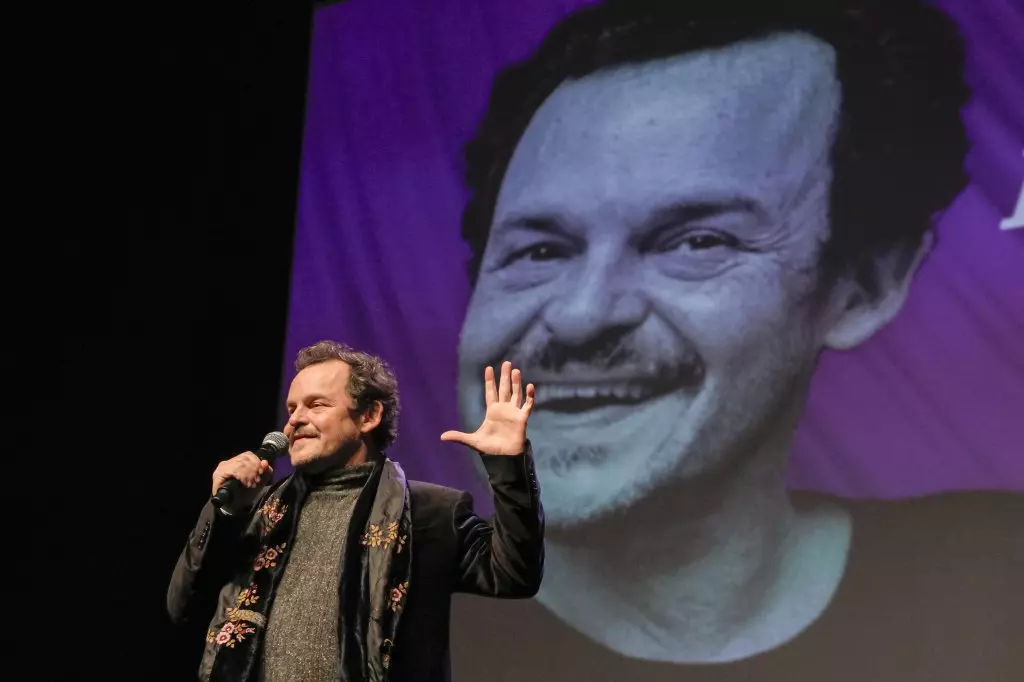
(351,455)
(700,572)
(361,456)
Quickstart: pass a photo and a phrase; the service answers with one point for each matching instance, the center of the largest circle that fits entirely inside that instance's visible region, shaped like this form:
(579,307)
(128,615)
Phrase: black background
(190,127)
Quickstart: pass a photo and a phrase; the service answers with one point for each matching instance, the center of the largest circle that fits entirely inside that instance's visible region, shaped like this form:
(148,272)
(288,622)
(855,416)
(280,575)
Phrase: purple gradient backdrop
(932,403)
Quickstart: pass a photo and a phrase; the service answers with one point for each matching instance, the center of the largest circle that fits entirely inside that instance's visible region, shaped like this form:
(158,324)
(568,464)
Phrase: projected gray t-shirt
(915,603)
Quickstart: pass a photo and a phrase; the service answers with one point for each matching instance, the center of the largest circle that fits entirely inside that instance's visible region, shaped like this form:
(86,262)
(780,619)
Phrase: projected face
(653,254)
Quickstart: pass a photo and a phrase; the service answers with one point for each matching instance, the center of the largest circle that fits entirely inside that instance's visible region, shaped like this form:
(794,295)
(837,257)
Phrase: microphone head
(277,441)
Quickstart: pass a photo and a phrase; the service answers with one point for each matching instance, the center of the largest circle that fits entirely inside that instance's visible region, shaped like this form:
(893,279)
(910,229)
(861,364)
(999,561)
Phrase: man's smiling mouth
(571,397)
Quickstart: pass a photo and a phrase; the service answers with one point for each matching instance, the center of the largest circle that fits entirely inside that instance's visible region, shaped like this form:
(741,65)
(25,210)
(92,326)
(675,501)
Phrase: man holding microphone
(358,563)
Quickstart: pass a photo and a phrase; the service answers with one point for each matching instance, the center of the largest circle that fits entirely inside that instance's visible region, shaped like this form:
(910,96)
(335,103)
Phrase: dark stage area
(179,299)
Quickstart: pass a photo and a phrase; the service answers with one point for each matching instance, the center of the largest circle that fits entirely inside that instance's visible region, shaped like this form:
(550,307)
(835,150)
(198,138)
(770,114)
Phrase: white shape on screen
(1017,219)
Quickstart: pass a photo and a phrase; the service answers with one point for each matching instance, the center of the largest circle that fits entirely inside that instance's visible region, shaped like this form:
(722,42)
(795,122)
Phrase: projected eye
(519,262)
(538,253)
(689,253)
(694,240)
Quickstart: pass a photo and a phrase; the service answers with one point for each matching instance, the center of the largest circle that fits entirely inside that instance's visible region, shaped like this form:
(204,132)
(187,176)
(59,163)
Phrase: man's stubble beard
(697,493)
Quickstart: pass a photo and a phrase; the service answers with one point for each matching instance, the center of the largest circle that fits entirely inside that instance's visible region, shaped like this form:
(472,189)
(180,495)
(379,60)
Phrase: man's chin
(582,488)
(304,461)
(584,484)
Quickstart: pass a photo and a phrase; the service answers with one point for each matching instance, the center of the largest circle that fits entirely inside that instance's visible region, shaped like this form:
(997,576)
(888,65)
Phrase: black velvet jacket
(455,551)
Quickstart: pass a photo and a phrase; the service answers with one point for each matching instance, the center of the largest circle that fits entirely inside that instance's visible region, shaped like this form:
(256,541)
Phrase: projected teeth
(611,391)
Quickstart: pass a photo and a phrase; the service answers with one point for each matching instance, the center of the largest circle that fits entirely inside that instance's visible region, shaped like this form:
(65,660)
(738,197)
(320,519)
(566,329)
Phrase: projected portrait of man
(675,208)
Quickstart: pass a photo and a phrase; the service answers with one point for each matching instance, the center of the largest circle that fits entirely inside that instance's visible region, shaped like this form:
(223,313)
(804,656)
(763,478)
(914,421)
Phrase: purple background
(934,402)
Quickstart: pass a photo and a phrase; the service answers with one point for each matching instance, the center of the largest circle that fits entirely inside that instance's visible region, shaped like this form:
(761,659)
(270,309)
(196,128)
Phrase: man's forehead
(714,121)
(321,377)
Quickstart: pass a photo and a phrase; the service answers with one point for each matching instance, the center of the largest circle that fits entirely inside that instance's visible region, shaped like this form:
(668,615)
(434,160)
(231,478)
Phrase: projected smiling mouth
(610,373)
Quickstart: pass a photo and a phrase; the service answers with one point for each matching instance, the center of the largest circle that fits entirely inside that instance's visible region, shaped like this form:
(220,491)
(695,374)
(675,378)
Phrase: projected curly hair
(900,144)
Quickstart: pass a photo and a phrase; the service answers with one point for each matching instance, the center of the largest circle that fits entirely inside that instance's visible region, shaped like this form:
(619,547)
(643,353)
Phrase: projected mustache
(612,368)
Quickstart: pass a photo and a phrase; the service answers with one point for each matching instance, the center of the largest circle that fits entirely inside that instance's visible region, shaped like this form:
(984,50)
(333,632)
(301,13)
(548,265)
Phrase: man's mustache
(621,356)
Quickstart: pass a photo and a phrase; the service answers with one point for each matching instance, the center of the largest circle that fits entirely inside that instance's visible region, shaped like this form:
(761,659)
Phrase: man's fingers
(490,390)
(528,405)
(246,468)
(249,469)
(505,383)
(517,388)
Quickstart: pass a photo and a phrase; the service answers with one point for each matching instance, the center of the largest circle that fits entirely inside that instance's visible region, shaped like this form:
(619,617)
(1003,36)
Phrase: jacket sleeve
(206,562)
(503,557)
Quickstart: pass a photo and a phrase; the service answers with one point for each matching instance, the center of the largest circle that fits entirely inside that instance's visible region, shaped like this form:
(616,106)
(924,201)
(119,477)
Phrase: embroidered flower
(230,633)
(273,511)
(373,536)
(397,595)
(248,596)
(401,543)
(386,658)
(267,557)
(379,535)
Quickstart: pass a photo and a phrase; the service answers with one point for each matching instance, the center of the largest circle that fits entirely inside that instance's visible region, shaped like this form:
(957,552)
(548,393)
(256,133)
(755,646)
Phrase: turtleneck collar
(342,478)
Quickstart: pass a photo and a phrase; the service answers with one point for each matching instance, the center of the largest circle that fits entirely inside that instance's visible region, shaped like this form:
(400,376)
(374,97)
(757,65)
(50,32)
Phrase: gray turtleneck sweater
(301,641)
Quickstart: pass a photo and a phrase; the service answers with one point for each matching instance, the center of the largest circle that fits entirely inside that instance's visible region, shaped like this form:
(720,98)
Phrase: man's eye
(545,251)
(694,240)
(698,242)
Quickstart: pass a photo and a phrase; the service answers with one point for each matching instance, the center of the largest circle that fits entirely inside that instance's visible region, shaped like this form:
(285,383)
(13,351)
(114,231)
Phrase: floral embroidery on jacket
(273,511)
(397,595)
(240,622)
(380,536)
(230,633)
(248,596)
(268,557)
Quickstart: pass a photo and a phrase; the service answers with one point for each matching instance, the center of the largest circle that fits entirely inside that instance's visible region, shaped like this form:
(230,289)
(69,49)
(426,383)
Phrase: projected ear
(866,303)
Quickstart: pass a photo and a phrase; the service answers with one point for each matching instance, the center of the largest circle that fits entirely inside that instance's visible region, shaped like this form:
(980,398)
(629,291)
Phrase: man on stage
(358,585)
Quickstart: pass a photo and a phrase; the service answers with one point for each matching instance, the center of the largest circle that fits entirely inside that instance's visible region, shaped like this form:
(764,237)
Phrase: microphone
(274,445)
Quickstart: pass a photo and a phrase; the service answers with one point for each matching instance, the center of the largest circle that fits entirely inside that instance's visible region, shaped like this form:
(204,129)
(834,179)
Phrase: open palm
(503,431)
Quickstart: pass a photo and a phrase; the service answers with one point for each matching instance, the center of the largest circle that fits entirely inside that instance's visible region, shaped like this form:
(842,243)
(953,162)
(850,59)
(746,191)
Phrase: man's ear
(371,417)
(859,308)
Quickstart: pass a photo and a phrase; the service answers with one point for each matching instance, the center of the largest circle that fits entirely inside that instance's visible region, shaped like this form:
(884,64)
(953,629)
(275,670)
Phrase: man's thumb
(455,436)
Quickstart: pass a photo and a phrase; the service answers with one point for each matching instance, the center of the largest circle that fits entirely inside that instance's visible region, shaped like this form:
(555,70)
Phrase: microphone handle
(233,486)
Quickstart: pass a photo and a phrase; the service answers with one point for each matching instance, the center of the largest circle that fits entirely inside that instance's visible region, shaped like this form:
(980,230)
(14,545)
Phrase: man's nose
(605,298)
(296,418)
